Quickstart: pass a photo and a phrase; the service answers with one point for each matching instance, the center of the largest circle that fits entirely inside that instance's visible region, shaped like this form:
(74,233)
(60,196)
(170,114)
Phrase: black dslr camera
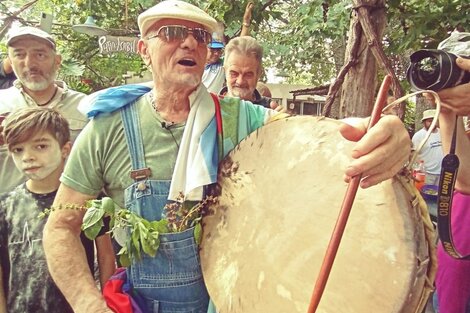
(435,70)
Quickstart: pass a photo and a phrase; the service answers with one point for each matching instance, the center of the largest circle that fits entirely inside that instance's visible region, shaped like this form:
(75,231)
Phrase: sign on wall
(111,44)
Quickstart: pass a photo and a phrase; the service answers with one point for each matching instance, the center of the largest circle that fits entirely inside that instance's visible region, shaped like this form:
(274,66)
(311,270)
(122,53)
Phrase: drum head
(281,190)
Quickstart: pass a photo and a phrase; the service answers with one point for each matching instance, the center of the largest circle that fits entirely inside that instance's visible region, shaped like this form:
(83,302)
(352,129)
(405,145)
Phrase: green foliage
(300,37)
(143,234)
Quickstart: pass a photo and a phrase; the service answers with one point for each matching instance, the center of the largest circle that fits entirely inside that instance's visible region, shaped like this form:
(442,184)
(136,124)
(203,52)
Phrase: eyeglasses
(178,32)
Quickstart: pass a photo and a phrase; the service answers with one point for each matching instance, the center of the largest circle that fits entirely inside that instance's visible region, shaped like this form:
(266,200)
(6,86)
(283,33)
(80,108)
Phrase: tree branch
(356,34)
(11,17)
(376,47)
(267,4)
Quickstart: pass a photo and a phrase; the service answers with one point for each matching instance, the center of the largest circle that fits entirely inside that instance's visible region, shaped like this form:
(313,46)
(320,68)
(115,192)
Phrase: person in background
(453,275)
(263,90)
(243,68)
(246,24)
(7,76)
(214,76)
(431,152)
(39,142)
(35,62)
(172,156)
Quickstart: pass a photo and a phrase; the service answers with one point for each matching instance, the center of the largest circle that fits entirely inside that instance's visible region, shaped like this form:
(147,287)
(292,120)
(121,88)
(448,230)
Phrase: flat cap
(175,9)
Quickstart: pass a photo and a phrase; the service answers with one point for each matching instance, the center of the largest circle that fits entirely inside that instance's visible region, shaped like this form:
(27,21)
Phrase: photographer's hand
(457,99)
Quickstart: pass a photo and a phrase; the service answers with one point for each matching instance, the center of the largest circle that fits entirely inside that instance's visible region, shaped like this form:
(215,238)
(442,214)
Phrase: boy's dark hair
(23,124)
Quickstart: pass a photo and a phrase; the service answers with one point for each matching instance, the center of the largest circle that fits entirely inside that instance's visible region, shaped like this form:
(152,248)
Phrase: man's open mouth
(187,62)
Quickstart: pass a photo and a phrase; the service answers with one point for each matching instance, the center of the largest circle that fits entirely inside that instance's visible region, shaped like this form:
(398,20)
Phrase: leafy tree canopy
(303,38)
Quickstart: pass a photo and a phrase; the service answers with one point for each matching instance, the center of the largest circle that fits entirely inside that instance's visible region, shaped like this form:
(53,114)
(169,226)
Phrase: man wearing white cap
(162,146)
(431,152)
(34,60)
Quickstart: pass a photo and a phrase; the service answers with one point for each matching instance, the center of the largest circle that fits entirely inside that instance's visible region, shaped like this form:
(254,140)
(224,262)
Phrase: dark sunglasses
(180,33)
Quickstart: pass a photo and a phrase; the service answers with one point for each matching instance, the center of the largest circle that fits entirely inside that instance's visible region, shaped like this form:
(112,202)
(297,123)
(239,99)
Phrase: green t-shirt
(101,158)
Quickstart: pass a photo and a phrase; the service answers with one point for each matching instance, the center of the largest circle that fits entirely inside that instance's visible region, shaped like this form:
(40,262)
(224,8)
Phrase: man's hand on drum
(380,153)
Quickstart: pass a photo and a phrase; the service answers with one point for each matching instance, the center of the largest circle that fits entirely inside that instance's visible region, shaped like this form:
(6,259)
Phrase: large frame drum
(280,193)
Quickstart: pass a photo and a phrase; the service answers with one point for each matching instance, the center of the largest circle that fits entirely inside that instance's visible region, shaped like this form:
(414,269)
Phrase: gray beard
(38,86)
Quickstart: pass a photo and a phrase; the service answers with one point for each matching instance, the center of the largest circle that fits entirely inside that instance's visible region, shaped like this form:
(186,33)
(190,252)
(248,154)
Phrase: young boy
(39,142)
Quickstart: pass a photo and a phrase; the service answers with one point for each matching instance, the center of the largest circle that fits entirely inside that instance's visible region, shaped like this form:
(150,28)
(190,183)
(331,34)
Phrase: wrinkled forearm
(65,254)
(446,123)
(68,267)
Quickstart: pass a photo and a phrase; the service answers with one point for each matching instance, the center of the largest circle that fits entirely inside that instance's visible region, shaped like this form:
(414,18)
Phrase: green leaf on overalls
(198,233)
(160,226)
(124,258)
(135,247)
(150,244)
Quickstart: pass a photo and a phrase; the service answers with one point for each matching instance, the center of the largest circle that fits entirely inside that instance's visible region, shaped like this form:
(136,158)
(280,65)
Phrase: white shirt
(431,153)
(214,77)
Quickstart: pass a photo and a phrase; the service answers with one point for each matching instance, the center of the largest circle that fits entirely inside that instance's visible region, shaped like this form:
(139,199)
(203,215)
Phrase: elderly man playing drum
(164,145)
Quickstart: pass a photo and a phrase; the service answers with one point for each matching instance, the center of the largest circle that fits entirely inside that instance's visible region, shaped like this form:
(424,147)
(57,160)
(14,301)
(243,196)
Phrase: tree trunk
(339,51)
(360,84)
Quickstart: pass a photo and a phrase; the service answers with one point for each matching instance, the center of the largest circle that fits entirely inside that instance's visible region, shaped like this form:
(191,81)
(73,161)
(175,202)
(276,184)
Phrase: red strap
(218,114)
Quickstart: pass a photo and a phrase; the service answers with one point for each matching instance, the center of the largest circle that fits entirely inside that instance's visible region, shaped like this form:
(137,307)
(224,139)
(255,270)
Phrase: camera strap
(449,170)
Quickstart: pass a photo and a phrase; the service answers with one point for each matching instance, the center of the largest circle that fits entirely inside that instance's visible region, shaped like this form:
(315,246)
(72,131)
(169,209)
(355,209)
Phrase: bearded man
(35,62)
(243,68)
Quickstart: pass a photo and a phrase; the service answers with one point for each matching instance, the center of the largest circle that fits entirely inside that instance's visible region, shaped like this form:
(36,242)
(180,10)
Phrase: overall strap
(131,123)
(220,137)
(218,119)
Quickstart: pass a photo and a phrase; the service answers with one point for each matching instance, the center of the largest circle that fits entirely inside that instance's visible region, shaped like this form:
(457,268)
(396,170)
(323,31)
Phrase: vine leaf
(92,231)
(93,219)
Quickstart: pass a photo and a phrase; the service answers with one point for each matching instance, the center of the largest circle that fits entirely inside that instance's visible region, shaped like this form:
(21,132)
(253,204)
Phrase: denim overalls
(171,281)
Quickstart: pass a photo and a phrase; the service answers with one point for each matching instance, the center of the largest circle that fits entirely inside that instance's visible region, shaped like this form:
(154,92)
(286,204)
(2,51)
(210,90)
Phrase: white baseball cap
(178,10)
(28,31)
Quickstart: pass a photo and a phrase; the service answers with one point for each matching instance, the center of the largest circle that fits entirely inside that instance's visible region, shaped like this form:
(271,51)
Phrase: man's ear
(58,60)
(66,149)
(143,51)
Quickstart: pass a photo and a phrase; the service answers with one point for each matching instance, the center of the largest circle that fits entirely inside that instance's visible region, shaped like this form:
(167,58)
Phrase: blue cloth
(111,99)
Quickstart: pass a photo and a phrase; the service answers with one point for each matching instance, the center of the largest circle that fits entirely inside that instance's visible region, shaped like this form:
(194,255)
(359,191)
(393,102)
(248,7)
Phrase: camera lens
(427,70)
(434,70)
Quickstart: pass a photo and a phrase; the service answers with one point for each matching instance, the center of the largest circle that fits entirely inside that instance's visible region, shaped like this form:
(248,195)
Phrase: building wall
(282,91)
